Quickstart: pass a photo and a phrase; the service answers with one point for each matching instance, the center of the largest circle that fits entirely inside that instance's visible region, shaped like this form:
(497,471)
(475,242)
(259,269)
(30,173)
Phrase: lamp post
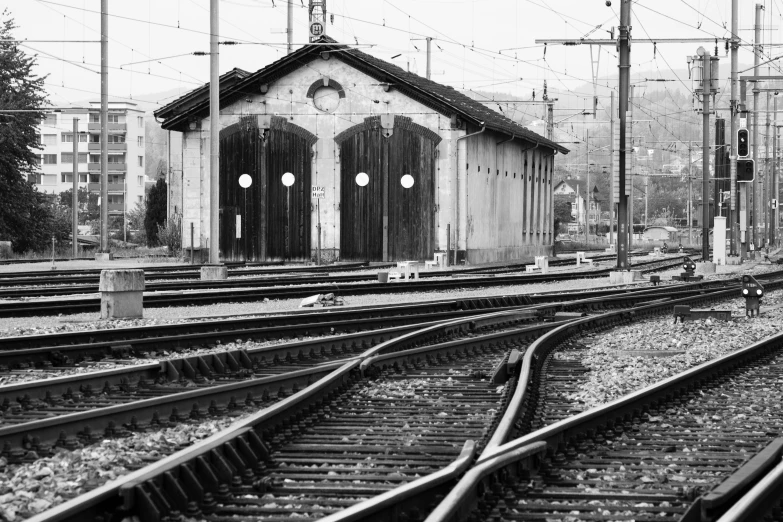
(245,181)
(288,180)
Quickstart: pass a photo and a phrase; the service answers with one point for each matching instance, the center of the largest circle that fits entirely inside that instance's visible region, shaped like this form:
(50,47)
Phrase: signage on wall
(319,192)
(316,29)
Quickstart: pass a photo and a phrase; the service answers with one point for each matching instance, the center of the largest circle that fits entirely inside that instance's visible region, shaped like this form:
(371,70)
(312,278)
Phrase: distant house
(575,191)
(660,233)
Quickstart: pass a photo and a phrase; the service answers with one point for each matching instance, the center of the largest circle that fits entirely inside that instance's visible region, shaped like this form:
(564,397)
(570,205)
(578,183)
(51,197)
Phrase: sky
(486,45)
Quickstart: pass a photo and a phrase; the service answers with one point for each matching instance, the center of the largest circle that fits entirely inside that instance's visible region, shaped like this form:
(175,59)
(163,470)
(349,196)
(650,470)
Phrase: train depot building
(391,165)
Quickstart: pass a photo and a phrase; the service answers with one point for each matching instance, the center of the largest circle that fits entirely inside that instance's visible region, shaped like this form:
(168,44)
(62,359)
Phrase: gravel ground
(30,488)
(615,374)
(91,321)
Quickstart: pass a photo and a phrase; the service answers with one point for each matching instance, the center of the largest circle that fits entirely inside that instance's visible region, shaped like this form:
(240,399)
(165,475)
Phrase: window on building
(66,178)
(114,118)
(116,158)
(116,138)
(116,199)
(140,180)
(50,159)
(50,139)
(49,179)
(50,120)
(95,178)
(34,178)
(95,158)
(140,121)
(95,138)
(95,117)
(117,179)
(82,178)
(38,139)
(83,157)
(141,161)
(66,157)
(67,137)
(140,141)
(82,137)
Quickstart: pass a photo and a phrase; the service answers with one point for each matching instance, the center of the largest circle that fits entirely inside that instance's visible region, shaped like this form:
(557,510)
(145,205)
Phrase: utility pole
(75,185)
(611,169)
(773,229)
(317,16)
(630,165)
(754,141)
(624,42)
(214,133)
(690,194)
(429,57)
(705,173)
(104,126)
(587,190)
(290,30)
(765,200)
(733,214)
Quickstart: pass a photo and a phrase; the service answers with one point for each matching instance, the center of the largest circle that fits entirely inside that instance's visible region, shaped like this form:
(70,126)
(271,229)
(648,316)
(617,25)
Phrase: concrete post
(122,294)
(719,241)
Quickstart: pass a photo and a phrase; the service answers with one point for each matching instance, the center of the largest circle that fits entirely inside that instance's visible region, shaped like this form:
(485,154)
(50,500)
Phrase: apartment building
(126,153)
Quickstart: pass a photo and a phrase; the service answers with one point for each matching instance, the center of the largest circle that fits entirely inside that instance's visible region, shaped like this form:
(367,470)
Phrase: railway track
(200,297)
(687,448)
(263,466)
(48,352)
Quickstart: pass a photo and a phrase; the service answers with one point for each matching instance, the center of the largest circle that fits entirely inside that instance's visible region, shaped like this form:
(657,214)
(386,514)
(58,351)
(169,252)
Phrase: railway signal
(752,291)
(746,170)
(743,143)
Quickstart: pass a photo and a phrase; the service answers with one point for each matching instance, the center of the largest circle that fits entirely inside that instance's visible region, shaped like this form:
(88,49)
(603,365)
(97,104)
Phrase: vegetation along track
(194,297)
(686,448)
(313,454)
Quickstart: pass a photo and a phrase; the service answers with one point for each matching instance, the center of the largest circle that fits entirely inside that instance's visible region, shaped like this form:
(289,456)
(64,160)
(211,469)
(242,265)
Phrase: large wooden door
(274,220)
(384,221)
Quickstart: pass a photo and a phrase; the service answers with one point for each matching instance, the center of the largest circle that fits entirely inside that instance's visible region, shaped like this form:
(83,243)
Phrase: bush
(170,235)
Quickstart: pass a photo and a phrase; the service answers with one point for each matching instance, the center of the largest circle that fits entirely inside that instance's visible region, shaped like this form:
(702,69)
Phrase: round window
(326,99)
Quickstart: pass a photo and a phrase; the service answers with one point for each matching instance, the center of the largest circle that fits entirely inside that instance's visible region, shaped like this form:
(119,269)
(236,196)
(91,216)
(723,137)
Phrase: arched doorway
(384,221)
(274,220)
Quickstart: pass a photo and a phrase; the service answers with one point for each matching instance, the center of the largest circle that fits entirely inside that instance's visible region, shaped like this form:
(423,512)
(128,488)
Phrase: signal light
(746,170)
(743,143)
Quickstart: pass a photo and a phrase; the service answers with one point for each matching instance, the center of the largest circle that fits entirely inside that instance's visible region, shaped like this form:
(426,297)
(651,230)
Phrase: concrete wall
(497,238)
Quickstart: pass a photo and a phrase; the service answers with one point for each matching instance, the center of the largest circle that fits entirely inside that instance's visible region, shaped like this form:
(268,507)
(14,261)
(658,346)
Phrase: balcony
(113,187)
(113,167)
(96,127)
(117,207)
(112,146)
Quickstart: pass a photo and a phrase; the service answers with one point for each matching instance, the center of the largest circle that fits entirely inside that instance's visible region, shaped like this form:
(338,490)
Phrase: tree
(136,217)
(156,211)
(25,214)
(562,213)
(88,204)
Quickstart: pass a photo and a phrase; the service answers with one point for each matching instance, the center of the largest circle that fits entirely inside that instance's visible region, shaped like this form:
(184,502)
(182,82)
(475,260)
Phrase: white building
(126,153)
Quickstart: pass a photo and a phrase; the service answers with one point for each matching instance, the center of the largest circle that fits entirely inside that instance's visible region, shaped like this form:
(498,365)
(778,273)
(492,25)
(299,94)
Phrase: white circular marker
(407,181)
(362,179)
(245,180)
(288,179)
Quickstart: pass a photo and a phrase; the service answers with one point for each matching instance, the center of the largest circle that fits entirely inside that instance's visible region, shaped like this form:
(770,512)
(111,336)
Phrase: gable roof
(574,183)
(441,98)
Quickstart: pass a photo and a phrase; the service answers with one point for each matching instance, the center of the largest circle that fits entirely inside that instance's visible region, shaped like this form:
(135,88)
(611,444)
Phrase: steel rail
(501,459)
(92,304)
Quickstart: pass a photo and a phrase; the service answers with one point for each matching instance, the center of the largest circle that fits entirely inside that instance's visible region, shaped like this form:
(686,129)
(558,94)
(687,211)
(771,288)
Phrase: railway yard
(484,393)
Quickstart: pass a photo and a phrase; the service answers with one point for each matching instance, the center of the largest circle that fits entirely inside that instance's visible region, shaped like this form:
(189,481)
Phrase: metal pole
(733,213)
(754,140)
(448,244)
(288,223)
(646,191)
(773,229)
(624,74)
(690,194)
(104,125)
(290,30)
(169,175)
(429,57)
(611,169)
(765,199)
(705,158)
(214,138)
(587,189)
(318,211)
(75,198)
(192,236)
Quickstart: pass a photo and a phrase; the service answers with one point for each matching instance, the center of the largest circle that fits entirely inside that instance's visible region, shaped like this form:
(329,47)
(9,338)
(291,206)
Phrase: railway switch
(752,291)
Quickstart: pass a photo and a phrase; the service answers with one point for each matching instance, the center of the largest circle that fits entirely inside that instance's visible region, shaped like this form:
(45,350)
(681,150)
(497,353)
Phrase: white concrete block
(214,272)
(705,268)
(624,277)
